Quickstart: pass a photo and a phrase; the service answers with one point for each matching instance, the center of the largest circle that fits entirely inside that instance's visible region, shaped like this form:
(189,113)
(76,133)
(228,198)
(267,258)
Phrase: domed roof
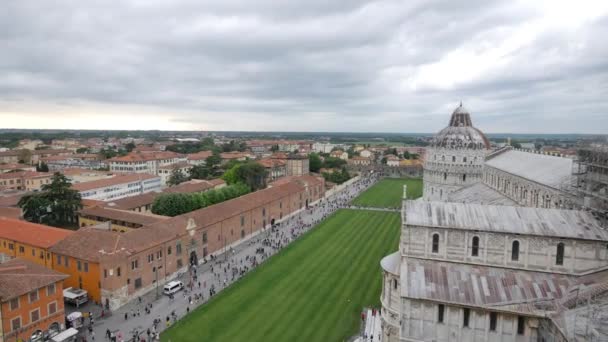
(460,134)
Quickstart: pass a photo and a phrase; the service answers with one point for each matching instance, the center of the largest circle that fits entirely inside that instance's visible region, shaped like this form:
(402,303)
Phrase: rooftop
(19,276)
(145,156)
(122,215)
(195,185)
(481,286)
(132,202)
(505,219)
(544,169)
(25,174)
(31,233)
(480,193)
(202,155)
(118,179)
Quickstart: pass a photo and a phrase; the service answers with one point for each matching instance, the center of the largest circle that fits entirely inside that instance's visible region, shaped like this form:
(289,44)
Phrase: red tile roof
(119,179)
(107,214)
(19,276)
(202,155)
(145,156)
(31,233)
(25,174)
(195,185)
(270,163)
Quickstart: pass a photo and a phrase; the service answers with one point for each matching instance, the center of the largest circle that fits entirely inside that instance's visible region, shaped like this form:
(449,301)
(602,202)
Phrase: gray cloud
(398,66)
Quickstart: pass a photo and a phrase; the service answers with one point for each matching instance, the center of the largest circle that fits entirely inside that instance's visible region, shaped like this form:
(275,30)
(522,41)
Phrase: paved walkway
(131,320)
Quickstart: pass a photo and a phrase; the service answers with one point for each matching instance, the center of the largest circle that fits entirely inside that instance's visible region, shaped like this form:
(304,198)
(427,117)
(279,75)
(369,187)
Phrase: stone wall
(496,249)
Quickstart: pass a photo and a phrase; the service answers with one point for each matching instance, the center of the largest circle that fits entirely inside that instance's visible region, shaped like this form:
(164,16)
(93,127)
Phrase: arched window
(464,177)
(515,251)
(442,158)
(559,257)
(464,159)
(395,284)
(435,248)
(475,246)
(445,176)
(453,159)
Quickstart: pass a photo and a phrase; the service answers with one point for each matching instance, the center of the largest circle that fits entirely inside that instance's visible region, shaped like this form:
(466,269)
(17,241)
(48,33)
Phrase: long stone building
(503,248)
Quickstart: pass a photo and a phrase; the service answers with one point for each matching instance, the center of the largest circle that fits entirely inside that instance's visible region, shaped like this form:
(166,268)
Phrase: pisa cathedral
(504,245)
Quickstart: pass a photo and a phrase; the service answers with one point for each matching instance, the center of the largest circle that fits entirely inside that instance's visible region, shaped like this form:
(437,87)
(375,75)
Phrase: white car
(173,287)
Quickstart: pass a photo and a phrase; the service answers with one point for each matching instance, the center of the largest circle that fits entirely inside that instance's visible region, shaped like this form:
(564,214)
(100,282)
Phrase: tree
(42,167)
(130,146)
(333,162)
(173,204)
(199,172)
(314,162)
(252,174)
(231,176)
(176,177)
(56,204)
(274,148)
(82,150)
(407,155)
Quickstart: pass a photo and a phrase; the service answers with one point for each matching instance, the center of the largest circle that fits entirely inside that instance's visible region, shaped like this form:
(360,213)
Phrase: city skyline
(353,66)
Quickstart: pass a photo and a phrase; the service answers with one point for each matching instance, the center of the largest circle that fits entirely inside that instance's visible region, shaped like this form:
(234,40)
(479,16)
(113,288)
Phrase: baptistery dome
(460,133)
(454,158)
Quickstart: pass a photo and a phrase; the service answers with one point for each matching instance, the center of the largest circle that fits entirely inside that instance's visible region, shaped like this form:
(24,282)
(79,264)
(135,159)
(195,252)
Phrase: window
(515,251)
(105,273)
(134,264)
(86,267)
(50,290)
(169,250)
(79,265)
(118,272)
(242,234)
(33,252)
(395,284)
(521,327)
(475,246)
(65,261)
(263,211)
(445,176)
(493,319)
(204,237)
(52,308)
(15,303)
(11,246)
(464,159)
(242,221)
(16,323)
(464,177)
(21,249)
(137,283)
(453,159)
(465,317)
(35,315)
(33,296)
(559,257)
(440,310)
(178,248)
(59,260)
(435,248)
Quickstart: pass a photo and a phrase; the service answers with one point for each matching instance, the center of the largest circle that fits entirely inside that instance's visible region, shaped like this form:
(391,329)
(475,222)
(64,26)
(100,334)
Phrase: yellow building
(28,240)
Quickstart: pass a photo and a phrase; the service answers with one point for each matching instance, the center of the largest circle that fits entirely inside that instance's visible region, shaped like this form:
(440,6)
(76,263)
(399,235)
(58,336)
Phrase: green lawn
(313,290)
(388,193)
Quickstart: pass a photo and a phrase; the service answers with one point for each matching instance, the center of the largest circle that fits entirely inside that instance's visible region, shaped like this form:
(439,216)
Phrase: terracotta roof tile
(195,185)
(18,277)
(31,233)
(118,179)
(122,215)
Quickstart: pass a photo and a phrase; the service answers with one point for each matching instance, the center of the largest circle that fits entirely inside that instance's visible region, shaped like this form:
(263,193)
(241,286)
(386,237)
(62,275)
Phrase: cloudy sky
(315,65)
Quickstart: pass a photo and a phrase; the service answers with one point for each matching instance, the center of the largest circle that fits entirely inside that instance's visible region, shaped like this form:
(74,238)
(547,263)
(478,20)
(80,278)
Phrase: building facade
(118,187)
(455,157)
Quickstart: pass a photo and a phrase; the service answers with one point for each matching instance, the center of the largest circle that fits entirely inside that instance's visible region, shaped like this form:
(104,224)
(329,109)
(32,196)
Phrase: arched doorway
(54,329)
(193,258)
(37,336)
(307,203)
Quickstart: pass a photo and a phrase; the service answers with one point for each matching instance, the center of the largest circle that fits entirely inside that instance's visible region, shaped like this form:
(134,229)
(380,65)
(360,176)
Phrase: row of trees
(315,163)
(337,177)
(250,173)
(173,204)
(55,205)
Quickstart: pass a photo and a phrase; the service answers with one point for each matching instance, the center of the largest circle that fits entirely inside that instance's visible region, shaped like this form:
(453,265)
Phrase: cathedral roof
(460,133)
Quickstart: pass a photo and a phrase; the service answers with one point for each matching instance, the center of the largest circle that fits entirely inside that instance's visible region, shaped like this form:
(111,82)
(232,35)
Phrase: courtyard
(313,290)
(388,193)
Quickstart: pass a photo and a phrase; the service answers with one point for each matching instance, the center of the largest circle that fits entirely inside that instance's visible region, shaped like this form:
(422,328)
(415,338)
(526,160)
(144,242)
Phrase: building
(27,156)
(473,272)
(322,147)
(360,160)
(276,168)
(80,175)
(235,155)
(115,219)
(118,187)
(392,160)
(31,301)
(25,180)
(508,257)
(366,153)
(16,167)
(165,171)
(84,161)
(199,158)
(116,267)
(455,157)
(339,154)
(30,241)
(144,162)
(297,165)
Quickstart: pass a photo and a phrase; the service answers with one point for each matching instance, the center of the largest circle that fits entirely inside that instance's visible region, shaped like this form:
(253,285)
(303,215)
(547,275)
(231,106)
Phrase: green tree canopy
(176,177)
(173,204)
(314,162)
(56,204)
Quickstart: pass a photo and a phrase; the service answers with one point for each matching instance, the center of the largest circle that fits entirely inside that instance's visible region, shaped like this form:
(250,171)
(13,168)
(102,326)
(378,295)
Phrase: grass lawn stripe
(387,193)
(272,302)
